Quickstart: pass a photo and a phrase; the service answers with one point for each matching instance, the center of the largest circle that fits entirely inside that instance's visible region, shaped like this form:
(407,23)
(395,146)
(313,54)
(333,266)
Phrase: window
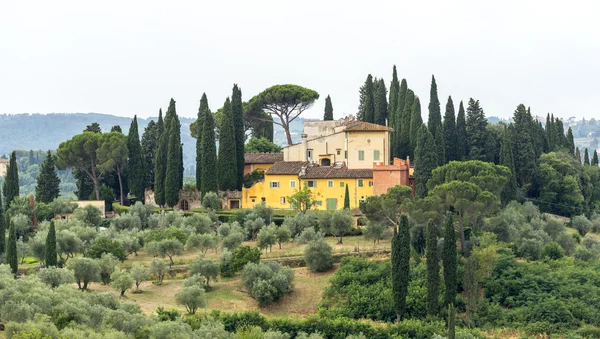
(370,183)
(360,183)
(339,151)
(253,200)
(309,154)
(292,183)
(274,184)
(376,155)
(282,200)
(311,183)
(361,155)
(342,184)
(330,183)
(318,203)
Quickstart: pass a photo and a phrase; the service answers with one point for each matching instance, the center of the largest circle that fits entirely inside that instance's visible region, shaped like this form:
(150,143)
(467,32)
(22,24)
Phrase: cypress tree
(550,132)
(570,141)
(227,165)
(380,106)
(425,160)
(439,145)
(31,159)
(173,174)
(507,159)
(561,139)
(149,142)
(525,161)
(209,179)
(240,135)
(578,154)
(586,158)
(11,180)
(366,108)
(11,250)
(160,162)
(595,159)
(449,128)
(435,116)
(400,266)
(433,270)
(51,246)
(449,260)
(415,123)
(136,174)
(396,147)
(404,150)
(476,130)
(451,322)
(491,148)
(2,228)
(199,130)
(328,109)
(47,188)
(462,144)
(393,102)
(347,199)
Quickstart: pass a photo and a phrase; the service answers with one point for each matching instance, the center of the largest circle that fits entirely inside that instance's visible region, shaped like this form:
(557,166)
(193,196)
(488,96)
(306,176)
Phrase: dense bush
(233,262)
(267,283)
(104,245)
(318,256)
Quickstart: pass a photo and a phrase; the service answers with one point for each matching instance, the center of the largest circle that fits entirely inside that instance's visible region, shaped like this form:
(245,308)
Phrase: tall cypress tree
(578,154)
(48,182)
(328,109)
(435,116)
(433,270)
(173,173)
(398,113)
(136,173)
(209,179)
(415,123)
(476,130)
(570,141)
(380,106)
(425,160)
(561,139)
(586,158)
(524,155)
(393,101)
(160,162)
(240,135)
(439,145)
(347,199)
(199,130)
(149,142)
(491,147)
(11,250)
(449,128)
(400,266)
(51,246)
(2,228)
(595,159)
(366,108)
(449,260)
(550,132)
(462,143)
(507,159)
(404,150)
(227,153)
(11,180)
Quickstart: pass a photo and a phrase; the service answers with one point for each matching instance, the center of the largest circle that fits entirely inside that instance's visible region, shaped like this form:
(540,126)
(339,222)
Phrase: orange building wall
(387,176)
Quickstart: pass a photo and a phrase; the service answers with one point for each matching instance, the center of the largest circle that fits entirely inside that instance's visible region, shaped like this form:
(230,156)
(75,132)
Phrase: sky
(131,57)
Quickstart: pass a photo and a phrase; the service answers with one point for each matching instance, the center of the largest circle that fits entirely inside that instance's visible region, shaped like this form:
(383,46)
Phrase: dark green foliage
(209,180)
(404,138)
(3,223)
(476,131)
(506,159)
(11,249)
(318,255)
(136,173)
(328,115)
(237,113)
(366,106)
(449,128)
(433,269)
(239,258)
(380,102)
(94,127)
(564,184)
(578,154)
(47,188)
(105,245)
(449,259)
(160,161)
(267,283)
(398,114)
(199,130)
(595,159)
(570,141)
(439,145)
(10,188)
(550,132)
(261,145)
(393,103)
(174,170)
(51,256)
(451,322)
(347,199)
(149,143)
(435,117)
(491,147)
(253,177)
(425,160)
(462,143)
(586,158)
(523,150)
(415,123)
(227,160)
(400,266)
(471,288)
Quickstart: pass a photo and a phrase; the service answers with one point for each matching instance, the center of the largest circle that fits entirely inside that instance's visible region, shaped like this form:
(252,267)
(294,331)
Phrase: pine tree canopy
(48,182)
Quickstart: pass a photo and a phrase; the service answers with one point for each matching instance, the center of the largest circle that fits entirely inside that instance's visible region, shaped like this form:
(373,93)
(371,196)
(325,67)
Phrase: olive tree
(340,223)
(318,255)
(121,281)
(166,247)
(139,273)
(192,297)
(54,277)
(159,269)
(209,269)
(85,270)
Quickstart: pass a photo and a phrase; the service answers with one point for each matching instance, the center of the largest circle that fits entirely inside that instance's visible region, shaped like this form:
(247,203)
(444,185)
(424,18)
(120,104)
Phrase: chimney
(305,146)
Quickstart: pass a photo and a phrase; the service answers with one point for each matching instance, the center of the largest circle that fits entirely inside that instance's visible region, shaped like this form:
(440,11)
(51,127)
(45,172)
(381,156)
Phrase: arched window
(325,162)
(184,205)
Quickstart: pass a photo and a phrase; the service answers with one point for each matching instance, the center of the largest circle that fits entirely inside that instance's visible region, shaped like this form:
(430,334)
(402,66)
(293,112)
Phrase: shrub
(318,256)
(309,234)
(583,254)
(158,268)
(202,242)
(108,263)
(105,245)
(200,223)
(55,277)
(553,251)
(581,224)
(233,240)
(192,297)
(90,215)
(267,283)
(143,212)
(212,201)
(530,249)
(242,256)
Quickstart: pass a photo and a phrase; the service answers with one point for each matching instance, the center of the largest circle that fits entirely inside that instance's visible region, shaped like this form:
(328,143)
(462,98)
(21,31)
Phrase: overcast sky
(131,57)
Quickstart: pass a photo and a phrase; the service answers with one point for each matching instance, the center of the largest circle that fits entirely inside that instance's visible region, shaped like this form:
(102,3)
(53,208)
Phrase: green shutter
(331,204)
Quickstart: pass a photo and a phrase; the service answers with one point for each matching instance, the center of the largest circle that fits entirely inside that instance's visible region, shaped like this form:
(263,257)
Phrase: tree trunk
(95,180)
(171,262)
(120,185)
(122,293)
(288,135)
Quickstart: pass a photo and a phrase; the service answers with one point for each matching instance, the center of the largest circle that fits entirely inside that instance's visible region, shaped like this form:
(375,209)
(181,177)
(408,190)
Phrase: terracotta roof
(286,167)
(4,160)
(262,158)
(356,212)
(325,172)
(356,125)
